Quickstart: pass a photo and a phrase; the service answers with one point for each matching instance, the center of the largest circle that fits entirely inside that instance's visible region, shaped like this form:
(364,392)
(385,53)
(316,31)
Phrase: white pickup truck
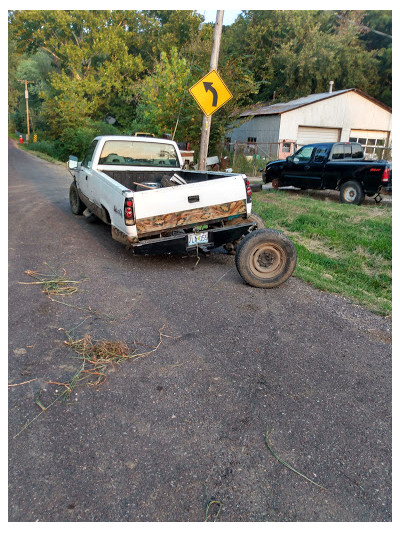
(139,187)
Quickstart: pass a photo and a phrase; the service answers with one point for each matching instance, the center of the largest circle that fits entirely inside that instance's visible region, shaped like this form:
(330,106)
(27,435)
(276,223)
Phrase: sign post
(210,93)
(205,131)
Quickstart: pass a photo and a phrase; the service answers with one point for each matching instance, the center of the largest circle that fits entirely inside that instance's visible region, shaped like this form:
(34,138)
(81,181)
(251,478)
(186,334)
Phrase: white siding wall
(346,111)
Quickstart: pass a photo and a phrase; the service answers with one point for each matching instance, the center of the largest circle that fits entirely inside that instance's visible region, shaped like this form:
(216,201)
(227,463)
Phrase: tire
(257,220)
(76,204)
(351,193)
(251,218)
(265,258)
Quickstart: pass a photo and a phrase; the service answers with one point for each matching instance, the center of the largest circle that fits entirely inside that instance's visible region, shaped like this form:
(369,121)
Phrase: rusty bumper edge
(121,237)
(178,244)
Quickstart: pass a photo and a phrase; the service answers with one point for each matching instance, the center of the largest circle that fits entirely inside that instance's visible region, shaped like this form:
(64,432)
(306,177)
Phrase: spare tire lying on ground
(265,258)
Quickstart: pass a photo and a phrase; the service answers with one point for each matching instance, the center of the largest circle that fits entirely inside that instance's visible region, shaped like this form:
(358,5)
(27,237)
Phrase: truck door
(306,168)
(85,178)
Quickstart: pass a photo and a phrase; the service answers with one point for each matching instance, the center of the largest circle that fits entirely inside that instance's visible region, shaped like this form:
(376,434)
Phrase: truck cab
(330,166)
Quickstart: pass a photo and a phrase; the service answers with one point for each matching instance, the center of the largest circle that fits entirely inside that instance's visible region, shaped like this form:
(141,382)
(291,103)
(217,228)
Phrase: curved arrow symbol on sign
(208,87)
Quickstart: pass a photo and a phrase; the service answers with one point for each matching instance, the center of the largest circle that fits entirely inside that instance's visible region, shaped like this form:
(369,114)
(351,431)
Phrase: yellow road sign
(210,93)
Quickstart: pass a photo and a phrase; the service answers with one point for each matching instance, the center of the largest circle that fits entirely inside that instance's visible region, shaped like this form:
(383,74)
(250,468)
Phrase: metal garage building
(346,115)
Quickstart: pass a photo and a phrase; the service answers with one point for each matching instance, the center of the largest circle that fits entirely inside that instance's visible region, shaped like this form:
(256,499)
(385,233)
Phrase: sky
(229,16)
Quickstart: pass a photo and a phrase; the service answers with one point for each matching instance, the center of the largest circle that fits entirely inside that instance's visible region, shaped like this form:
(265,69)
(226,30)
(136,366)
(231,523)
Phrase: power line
(366,28)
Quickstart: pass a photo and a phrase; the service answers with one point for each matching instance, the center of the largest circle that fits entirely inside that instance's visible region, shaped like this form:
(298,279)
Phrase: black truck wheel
(77,206)
(265,258)
(351,193)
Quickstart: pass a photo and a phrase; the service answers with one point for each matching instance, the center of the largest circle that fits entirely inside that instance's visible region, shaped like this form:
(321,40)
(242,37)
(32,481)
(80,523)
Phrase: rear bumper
(178,244)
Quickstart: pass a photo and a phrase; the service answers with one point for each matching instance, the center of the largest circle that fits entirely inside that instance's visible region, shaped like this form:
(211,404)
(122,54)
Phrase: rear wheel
(351,193)
(257,220)
(266,258)
(76,204)
(258,224)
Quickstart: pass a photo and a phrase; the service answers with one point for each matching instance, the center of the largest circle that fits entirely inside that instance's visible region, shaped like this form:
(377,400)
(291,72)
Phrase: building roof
(284,107)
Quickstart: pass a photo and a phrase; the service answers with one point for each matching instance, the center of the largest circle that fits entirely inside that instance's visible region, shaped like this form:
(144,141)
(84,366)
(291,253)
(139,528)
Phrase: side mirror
(289,159)
(72,162)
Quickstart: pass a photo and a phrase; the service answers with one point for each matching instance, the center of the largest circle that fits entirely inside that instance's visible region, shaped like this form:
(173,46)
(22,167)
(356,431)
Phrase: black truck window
(347,151)
(321,154)
(337,152)
(357,151)
(304,154)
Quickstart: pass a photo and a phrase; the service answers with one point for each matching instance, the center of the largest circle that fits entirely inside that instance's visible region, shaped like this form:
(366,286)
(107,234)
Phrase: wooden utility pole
(205,130)
(27,106)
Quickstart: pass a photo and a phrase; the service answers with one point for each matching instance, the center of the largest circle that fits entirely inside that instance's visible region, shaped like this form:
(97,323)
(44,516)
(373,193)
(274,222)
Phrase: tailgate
(185,205)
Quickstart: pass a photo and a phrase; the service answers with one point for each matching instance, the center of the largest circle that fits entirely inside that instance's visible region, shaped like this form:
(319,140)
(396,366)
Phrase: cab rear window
(136,153)
(347,152)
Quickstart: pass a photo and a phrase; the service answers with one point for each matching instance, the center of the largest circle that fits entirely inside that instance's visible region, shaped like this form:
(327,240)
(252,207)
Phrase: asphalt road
(168,433)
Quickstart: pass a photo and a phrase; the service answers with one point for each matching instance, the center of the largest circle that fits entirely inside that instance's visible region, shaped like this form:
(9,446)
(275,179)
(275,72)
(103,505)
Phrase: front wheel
(76,204)
(351,193)
(266,258)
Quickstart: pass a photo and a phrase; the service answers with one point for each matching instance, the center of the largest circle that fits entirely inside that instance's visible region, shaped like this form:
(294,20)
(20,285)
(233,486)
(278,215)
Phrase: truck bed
(130,178)
(182,206)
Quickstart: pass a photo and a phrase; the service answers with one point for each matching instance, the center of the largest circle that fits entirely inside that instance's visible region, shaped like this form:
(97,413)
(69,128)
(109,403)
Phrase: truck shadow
(333,196)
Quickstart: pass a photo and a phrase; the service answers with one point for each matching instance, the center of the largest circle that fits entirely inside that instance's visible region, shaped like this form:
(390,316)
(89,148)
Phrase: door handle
(307,167)
(193,199)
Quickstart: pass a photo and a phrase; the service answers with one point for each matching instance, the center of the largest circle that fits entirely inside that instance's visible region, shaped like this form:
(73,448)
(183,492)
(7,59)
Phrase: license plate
(198,238)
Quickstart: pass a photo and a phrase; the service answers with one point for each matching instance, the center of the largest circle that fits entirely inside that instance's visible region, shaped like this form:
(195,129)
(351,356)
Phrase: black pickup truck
(337,166)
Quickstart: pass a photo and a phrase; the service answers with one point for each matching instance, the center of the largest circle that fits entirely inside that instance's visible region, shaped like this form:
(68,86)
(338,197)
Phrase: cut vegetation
(343,249)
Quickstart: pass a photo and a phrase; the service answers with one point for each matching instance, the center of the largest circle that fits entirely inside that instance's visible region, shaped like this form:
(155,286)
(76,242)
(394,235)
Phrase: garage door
(308,135)
(373,143)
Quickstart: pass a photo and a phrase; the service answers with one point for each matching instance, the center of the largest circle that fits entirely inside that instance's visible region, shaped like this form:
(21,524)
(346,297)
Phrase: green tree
(295,53)
(377,35)
(93,68)
(162,97)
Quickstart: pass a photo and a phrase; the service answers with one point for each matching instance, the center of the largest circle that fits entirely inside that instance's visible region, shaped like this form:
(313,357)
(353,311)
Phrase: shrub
(73,141)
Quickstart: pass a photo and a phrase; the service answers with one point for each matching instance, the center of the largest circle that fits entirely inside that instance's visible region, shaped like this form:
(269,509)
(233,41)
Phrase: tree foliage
(137,66)
(296,53)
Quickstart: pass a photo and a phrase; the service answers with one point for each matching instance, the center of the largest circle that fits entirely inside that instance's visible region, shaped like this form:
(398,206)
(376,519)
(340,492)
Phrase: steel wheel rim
(349,194)
(267,260)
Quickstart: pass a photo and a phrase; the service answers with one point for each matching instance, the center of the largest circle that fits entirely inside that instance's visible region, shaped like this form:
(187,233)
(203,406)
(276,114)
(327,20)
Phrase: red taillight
(128,212)
(248,188)
(386,175)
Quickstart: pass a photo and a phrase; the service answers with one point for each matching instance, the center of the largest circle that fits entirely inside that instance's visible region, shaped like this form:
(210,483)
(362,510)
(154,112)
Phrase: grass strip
(23,383)
(52,283)
(96,357)
(341,248)
(267,442)
(208,512)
